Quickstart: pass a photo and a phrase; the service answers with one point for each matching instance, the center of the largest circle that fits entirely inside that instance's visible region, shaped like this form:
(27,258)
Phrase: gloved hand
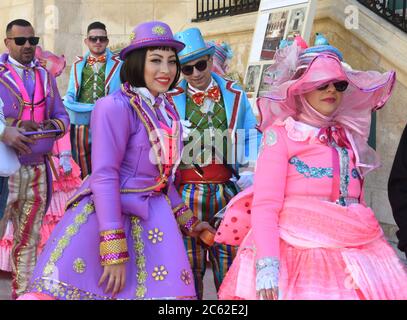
(267,274)
(186,128)
(246,180)
(65,162)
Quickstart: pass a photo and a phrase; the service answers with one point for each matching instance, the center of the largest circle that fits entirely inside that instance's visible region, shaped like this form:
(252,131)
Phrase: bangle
(113,247)
(185,217)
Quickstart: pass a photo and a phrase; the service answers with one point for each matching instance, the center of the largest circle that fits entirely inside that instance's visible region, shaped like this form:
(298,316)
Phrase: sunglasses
(20,41)
(200,66)
(340,86)
(95,39)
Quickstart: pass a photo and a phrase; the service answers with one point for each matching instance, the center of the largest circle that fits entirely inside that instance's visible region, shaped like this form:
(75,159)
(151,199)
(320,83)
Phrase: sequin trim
(310,172)
(185,217)
(113,247)
(61,290)
(136,232)
(64,241)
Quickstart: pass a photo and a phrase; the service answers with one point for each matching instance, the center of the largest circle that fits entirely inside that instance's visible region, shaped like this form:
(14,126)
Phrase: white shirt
(20,67)
(2,120)
(147,94)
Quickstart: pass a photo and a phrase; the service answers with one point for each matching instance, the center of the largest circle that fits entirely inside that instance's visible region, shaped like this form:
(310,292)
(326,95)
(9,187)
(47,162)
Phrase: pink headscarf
(297,72)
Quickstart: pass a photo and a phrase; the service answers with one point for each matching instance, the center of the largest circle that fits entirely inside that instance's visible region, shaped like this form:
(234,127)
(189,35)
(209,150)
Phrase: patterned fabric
(215,122)
(93,84)
(81,148)
(213,94)
(26,214)
(205,200)
(310,172)
(92,60)
(113,247)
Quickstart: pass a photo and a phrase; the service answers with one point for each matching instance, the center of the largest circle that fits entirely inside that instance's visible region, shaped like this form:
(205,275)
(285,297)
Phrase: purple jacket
(12,102)
(125,168)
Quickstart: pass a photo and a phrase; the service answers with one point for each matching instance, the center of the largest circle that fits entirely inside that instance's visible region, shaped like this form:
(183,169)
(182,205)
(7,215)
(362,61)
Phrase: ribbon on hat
(213,94)
(92,60)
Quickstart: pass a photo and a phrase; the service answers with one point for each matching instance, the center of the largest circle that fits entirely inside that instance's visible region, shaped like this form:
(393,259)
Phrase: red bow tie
(334,134)
(92,60)
(213,94)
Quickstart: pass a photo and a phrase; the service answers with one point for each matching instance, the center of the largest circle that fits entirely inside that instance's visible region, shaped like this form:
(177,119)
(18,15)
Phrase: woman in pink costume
(311,235)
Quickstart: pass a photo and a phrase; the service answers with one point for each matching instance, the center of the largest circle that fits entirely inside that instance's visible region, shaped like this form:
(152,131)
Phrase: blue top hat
(194,45)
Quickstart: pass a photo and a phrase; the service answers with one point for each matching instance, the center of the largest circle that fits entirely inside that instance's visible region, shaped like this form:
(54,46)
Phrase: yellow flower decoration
(79,265)
(132,36)
(155,235)
(159,273)
(159,30)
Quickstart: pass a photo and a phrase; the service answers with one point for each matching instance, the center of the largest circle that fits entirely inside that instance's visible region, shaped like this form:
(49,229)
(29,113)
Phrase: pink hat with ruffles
(298,71)
(151,34)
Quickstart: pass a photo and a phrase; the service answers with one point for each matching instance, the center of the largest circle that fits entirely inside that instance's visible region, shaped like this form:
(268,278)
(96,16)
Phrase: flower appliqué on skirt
(159,273)
(186,277)
(155,235)
(79,265)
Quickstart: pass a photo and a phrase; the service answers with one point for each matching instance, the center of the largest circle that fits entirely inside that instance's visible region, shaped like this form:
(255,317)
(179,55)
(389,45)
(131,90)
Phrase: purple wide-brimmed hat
(151,34)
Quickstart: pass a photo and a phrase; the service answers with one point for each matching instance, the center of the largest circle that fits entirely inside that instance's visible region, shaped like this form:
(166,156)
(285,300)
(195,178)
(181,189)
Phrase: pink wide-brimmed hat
(298,71)
(151,34)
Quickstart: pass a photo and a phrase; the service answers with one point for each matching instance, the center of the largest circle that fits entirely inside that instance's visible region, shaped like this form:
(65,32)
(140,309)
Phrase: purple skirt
(69,266)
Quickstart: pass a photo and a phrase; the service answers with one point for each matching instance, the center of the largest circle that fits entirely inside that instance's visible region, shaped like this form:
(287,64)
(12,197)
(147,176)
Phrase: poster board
(277,20)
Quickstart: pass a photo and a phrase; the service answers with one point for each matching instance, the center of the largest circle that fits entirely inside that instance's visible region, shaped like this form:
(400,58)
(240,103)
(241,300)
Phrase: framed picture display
(277,20)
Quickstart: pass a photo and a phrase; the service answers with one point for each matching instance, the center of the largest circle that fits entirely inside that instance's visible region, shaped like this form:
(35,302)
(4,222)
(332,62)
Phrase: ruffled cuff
(113,247)
(185,217)
(267,272)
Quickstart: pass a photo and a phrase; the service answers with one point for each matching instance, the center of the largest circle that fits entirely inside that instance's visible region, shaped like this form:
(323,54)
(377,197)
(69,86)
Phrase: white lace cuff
(267,272)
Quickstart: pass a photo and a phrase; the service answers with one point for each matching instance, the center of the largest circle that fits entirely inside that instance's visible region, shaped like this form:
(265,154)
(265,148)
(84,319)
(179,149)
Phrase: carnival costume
(29,93)
(90,79)
(311,234)
(128,211)
(205,182)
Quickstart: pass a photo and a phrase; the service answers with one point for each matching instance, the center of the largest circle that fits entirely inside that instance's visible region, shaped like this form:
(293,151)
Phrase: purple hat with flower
(151,34)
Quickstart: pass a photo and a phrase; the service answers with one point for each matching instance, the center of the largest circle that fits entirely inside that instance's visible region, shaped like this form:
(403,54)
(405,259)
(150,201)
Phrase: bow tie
(334,134)
(92,60)
(213,94)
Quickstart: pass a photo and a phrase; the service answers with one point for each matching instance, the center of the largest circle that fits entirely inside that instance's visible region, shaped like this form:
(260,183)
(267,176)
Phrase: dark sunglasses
(200,66)
(96,38)
(340,86)
(20,41)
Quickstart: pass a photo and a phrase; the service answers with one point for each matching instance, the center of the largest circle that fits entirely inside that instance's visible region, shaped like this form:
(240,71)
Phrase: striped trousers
(26,207)
(205,200)
(81,145)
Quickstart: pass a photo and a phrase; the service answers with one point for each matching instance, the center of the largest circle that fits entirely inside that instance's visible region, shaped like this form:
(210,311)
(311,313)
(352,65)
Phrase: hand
(12,137)
(200,227)
(267,275)
(65,162)
(268,294)
(246,180)
(47,125)
(42,62)
(116,276)
(29,125)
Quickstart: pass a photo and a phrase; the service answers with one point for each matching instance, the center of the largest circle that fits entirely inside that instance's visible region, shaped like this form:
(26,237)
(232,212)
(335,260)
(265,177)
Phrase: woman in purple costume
(120,236)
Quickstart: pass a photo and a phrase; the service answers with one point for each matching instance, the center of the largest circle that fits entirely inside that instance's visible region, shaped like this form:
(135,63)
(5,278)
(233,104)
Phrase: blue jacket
(112,81)
(239,114)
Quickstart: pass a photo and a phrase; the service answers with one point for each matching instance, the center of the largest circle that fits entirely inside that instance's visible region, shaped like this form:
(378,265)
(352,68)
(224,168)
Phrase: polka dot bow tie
(213,94)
